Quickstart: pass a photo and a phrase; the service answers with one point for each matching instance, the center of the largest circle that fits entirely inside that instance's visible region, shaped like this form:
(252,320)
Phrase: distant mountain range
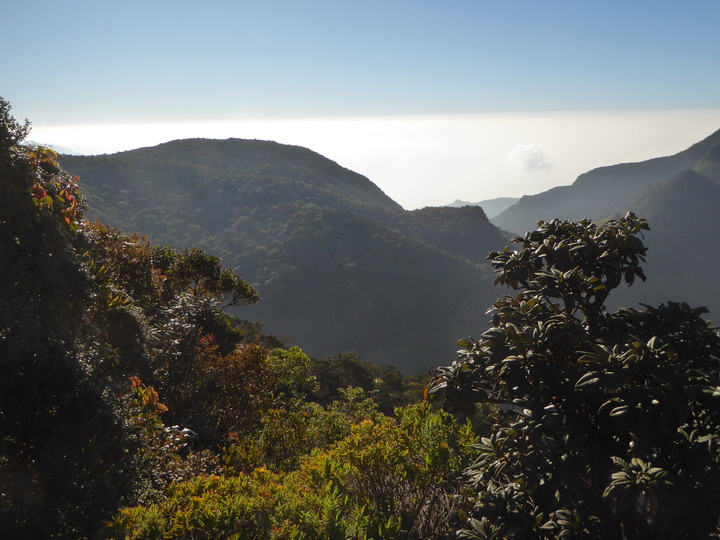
(492,207)
(342,267)
(679,195)
(607,190)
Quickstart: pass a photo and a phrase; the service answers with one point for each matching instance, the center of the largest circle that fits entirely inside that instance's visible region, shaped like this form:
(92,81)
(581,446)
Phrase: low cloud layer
(530,157)
(432,160)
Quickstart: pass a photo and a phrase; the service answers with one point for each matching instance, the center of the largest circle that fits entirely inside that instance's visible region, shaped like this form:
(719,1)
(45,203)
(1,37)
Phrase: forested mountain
(679,195)
(338,264)
(396,286)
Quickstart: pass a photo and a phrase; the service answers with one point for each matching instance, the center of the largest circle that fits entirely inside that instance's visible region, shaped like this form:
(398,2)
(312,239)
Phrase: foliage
(385,384)
(12,133)
(609,423)
(164,454)
(406,471)
(386,479)
(155,308)
(216,394)
(153,276)
(292,430)
(294,380)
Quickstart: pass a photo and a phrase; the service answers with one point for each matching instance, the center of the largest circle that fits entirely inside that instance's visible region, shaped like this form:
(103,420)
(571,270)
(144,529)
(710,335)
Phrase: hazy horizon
(434,160)
(431,101)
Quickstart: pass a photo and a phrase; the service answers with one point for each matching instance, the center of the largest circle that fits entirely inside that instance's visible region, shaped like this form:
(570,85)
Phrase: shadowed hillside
(339,265)
(683,255)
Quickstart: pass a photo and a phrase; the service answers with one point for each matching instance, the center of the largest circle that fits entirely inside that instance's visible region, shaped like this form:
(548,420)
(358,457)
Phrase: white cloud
(530,157)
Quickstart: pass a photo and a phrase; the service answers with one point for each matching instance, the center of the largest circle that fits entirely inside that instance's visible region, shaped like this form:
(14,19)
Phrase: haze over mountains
(607,190)
(492,207)
(342,267)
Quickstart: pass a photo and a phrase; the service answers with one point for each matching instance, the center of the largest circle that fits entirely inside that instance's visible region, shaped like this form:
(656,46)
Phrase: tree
(63,448)
(386,478)
(605,424)
(11,132)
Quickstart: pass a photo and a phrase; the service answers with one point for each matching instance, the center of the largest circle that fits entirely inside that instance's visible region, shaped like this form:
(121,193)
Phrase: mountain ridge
(601,191)
(492,207)
(679,196)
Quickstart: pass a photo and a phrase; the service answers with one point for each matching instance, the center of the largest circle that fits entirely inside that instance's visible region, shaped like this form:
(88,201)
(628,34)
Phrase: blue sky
(336,67)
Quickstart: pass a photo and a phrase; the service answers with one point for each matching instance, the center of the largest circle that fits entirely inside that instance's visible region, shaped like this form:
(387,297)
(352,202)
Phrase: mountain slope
(683,256)
(349,283)
(492,207)
(338,264)
(605,190)
(679,196)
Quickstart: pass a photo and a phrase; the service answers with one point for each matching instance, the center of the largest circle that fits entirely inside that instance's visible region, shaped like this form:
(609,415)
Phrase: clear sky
(431,100)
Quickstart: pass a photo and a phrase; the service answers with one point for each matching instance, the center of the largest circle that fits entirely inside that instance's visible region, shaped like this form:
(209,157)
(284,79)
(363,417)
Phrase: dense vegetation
(132,405)
(62,443)
(126,384)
